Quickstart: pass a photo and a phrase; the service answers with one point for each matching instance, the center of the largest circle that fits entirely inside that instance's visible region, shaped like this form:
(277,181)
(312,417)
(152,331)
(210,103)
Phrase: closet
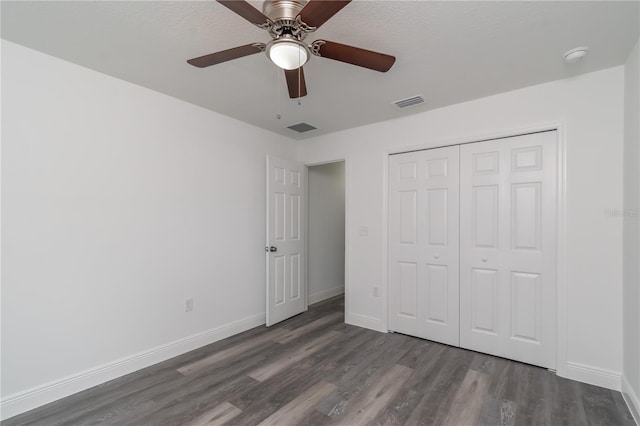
(472,246)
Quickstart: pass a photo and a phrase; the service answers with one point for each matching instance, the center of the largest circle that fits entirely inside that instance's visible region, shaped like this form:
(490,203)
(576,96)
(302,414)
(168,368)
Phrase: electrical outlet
(188,304)
(376,291)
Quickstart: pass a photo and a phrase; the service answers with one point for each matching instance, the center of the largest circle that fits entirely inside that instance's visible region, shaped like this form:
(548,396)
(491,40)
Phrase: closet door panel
(424,244)
(508,248)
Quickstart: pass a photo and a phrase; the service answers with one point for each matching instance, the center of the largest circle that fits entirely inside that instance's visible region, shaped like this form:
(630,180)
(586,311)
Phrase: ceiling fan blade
(245,10)
(295,80)
(354,55)
(317,12)
(226,55)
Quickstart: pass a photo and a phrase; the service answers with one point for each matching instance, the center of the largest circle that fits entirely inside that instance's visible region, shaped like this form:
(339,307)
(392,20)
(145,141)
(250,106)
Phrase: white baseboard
(37,396)
(325,294)
(631,398)
(593,375)
(365,321)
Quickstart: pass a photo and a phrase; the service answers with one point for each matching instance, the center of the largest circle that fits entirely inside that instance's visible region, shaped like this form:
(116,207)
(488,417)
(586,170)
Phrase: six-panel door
(286,243)
(508,248)
(472,246)
(423,238)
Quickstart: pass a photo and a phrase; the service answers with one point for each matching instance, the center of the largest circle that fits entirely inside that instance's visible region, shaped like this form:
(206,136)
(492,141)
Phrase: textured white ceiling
(448,51)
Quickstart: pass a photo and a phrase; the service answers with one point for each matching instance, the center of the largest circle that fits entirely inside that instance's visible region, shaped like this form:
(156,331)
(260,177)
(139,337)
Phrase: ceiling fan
(289,22)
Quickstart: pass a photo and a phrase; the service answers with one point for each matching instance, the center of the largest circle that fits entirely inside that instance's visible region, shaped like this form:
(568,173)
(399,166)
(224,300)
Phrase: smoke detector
(574,55)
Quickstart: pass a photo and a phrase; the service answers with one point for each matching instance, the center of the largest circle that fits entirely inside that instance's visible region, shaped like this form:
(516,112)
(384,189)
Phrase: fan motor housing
(279,10)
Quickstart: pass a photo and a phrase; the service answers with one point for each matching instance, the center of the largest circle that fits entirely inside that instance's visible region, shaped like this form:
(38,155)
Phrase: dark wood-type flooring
(314,370)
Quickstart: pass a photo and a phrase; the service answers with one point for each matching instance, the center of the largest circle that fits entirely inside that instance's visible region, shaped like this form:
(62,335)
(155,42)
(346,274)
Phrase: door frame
(346,228)
(561,215)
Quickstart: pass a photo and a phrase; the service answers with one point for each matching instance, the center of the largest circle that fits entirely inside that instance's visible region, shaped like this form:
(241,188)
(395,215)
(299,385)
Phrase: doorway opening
(326,234)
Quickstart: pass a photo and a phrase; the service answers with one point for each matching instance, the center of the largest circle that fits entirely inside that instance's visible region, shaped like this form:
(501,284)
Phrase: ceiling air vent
(414,100)
(302,127)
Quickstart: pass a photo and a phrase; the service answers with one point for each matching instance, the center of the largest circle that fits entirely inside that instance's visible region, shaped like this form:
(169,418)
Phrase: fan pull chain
(299,72)
(278,116)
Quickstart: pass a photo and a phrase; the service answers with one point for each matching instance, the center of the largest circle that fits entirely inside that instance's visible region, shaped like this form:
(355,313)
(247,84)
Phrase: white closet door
(424,244)
(508,249)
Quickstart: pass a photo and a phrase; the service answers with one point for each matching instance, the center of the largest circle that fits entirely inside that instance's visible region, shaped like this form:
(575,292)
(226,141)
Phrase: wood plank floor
(315,370)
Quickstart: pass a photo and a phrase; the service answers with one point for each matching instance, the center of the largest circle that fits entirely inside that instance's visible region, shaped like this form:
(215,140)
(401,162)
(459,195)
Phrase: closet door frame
(561,226)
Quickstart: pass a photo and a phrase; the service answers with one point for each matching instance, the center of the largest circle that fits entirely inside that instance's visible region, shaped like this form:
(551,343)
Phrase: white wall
(631,248)
(591,107)
(114,211)
(119,203)
(326,230)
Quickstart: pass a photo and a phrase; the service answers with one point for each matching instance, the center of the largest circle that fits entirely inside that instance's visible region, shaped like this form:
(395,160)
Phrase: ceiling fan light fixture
(288,23)
(287,53)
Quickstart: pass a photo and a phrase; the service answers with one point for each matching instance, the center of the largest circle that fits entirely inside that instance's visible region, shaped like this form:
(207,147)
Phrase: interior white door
(508,249)
(286,240)
(424,244)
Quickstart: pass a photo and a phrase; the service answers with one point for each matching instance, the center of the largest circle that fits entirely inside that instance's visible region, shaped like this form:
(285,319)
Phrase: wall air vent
(414,100)
(301,127)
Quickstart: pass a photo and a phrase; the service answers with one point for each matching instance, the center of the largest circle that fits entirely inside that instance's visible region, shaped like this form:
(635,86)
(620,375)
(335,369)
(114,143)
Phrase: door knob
(436,256)
(484,259)
(271,249)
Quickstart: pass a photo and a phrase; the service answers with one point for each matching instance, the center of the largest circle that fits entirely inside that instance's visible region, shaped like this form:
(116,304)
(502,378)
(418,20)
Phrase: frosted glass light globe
(288,55)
